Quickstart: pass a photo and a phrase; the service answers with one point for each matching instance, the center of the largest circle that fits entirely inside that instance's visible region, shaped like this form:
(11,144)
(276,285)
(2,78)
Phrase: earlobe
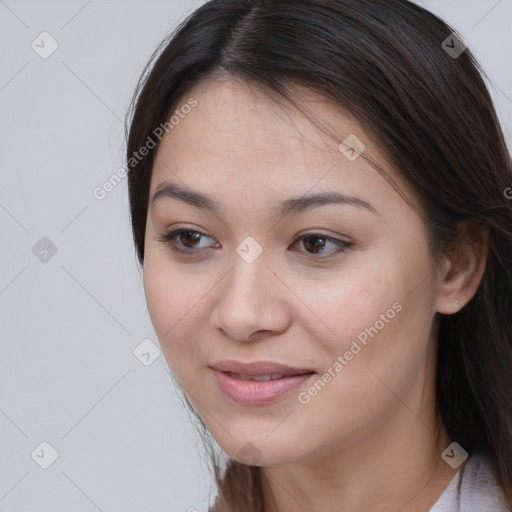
(463,268)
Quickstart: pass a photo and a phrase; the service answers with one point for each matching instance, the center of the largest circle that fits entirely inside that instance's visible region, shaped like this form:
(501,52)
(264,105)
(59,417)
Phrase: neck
(408,475)
(395,464)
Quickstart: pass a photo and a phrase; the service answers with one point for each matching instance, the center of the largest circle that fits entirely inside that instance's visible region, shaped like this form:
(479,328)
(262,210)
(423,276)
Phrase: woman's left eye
(316,242)
(184,240)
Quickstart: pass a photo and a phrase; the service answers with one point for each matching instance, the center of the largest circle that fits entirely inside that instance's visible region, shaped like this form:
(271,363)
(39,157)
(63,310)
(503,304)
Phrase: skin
(370,440)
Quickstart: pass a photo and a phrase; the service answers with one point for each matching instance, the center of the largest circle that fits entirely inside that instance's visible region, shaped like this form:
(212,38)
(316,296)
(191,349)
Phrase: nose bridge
(248,281)
(250,295)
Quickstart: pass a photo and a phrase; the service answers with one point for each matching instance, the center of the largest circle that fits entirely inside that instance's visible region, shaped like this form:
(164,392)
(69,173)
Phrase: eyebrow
(287,207)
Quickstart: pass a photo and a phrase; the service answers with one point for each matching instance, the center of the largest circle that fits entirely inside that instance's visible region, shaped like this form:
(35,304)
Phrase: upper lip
(258,368)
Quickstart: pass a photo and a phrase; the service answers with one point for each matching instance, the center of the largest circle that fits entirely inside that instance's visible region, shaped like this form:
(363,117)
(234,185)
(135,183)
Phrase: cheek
(364,325)
(174,304)
(343,305)
(376,314)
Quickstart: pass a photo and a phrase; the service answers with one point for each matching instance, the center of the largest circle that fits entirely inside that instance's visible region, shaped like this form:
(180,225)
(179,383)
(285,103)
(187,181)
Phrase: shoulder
(473,489)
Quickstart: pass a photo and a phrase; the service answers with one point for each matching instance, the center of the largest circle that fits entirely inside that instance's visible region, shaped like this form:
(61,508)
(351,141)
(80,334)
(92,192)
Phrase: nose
(251,301)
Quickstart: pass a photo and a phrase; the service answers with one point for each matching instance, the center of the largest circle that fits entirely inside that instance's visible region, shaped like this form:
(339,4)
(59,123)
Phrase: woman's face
(247,286)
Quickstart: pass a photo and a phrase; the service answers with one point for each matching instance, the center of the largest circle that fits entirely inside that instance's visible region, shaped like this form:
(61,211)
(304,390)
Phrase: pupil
(189,236)
(317,242)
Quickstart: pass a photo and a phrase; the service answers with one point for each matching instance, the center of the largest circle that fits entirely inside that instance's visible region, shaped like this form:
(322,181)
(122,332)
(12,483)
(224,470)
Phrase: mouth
(260,369)
(262,378)
(258,382)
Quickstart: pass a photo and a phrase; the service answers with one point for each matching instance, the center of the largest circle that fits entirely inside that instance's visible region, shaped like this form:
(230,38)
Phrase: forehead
(244,137)
(231,110)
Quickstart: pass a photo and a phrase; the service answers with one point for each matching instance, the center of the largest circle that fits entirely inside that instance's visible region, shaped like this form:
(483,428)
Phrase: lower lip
(257,392)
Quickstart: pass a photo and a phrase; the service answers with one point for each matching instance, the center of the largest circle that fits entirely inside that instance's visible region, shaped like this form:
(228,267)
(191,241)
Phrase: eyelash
(168,239)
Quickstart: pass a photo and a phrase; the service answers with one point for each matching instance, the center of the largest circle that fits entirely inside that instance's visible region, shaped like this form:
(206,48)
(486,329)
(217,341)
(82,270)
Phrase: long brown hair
(404,74)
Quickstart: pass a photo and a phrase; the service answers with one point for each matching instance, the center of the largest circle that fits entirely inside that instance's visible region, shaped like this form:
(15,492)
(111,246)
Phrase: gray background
(69,325)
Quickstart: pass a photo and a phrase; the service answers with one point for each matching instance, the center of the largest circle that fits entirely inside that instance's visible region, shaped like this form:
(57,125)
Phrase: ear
(462,268)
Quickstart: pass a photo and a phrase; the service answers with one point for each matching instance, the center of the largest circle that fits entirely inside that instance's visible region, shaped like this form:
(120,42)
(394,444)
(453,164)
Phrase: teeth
(271,376)
(268,376)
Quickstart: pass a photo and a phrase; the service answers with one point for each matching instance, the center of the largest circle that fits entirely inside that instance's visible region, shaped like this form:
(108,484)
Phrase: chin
(260,451)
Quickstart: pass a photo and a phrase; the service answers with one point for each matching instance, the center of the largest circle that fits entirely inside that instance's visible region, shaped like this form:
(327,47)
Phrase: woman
(318,192)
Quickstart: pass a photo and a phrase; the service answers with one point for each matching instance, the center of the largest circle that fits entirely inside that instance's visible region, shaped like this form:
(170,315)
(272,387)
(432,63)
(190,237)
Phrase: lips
(259,369)
(259,382)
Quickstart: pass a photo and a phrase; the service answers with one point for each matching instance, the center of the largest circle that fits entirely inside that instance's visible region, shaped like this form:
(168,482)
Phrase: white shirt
(473,489)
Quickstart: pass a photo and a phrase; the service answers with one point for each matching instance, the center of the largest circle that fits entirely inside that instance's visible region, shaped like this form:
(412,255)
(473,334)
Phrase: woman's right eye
(183,240)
